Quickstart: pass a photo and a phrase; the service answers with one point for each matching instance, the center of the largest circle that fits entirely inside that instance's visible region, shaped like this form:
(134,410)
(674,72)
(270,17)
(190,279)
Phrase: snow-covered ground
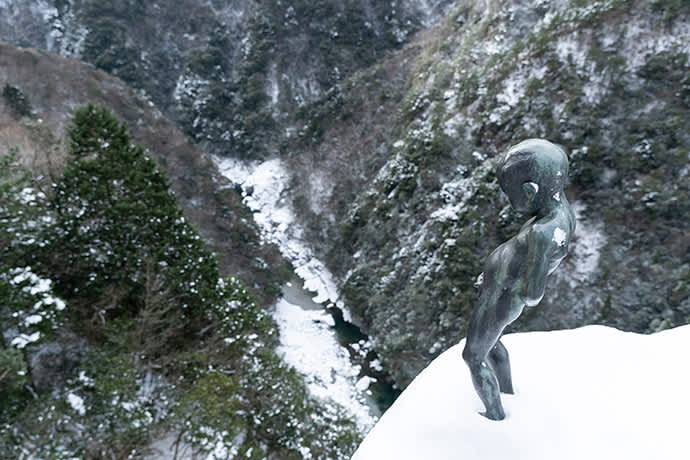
(594,392)
(264,186)
(308,341)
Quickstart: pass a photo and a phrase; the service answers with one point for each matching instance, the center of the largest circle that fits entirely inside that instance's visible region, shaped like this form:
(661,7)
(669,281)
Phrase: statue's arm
(537,267)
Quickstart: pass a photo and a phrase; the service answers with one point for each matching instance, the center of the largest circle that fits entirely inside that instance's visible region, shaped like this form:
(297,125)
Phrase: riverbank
(316,333)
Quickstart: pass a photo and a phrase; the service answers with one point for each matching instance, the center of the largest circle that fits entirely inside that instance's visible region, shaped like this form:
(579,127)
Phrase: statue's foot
(497,414)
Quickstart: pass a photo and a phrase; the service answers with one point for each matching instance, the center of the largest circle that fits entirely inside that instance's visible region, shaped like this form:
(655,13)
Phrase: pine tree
(121,246)
(132,271)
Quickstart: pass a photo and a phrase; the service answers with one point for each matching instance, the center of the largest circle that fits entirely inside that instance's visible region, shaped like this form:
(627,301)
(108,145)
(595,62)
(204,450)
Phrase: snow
(559,236)
(22,340)
(589,238)
(191,87)
(571,46)
(458,191)
(320,191)
(264,185)
(307,339)
(33,319)
(642,41)
(307,343)
(514,87)
(593,392)
(77,403)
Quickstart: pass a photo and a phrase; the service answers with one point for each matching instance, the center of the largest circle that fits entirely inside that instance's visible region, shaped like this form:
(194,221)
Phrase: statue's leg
(484,378)
(488,321)
(499,360)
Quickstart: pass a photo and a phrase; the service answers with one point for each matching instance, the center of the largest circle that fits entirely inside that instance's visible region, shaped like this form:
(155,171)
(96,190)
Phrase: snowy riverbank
(308,341)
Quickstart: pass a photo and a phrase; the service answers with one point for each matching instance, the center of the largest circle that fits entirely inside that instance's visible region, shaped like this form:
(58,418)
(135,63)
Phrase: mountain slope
(232,74)
(422,210)
(55,86)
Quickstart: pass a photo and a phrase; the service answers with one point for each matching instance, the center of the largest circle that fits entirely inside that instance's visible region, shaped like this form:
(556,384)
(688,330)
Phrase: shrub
(15,98)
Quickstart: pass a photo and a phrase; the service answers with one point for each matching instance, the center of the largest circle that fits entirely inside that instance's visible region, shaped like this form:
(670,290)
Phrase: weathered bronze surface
(532,174)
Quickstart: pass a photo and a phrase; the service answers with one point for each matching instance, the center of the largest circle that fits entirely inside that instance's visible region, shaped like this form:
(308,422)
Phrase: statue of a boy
(533,175)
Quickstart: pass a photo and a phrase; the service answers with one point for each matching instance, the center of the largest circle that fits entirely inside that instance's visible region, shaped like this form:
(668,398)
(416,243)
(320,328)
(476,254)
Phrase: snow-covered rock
(594,392)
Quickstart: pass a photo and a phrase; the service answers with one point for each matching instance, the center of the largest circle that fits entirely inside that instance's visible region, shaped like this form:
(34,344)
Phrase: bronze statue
(532,174)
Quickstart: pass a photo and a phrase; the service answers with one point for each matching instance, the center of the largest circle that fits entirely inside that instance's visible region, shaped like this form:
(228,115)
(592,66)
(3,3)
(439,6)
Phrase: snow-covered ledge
(590,393)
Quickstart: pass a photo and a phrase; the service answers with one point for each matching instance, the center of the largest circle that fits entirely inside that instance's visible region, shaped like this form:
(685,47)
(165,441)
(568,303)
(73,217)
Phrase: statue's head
(532,174)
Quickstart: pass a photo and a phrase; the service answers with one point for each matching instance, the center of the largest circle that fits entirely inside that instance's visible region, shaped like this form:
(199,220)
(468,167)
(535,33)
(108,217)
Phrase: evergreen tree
(133,272)
(121,247)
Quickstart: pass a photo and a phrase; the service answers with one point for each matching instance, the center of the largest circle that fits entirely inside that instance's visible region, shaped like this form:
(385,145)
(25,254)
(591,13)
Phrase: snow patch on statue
(559,237)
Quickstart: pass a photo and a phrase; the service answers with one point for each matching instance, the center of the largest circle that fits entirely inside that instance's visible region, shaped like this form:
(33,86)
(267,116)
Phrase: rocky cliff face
(392,125)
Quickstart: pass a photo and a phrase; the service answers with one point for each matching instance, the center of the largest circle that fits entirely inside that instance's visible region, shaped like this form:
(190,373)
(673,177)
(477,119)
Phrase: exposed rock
(51,363)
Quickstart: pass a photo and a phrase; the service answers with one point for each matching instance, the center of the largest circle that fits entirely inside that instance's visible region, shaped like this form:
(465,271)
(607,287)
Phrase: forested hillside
(387,118)
(118,328)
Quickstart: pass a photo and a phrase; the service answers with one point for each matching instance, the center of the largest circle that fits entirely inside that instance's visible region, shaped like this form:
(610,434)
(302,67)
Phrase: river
(317,335)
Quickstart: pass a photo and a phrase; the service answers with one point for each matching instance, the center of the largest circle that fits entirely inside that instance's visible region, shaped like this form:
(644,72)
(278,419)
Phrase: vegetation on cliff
(161,343)
(607,80)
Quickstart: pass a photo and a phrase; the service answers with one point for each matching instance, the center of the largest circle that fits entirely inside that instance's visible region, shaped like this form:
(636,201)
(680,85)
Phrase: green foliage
(138,278)
(107,411)
(121,246)
(15,98)
(211,410)
(265,409)
(107,45)
(27,302)
(14,374)
(243,397)
(13,371)
(285,415)
(28,306)
(119,409)
(239,320)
